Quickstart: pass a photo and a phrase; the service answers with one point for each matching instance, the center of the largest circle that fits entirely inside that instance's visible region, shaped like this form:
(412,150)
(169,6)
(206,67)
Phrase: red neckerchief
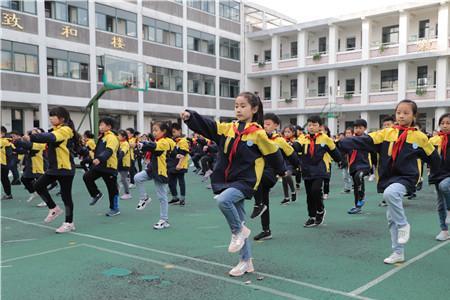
(352,158)
(238,135)
(312,142)
(398,145)
(159,138)
(444,142)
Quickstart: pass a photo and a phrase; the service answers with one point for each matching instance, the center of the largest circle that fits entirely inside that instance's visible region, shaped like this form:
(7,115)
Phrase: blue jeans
(231,203)
(443,201)
(396,217)
(161,192)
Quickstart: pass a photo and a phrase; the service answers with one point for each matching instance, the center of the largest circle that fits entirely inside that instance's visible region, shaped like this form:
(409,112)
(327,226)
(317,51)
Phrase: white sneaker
(325,196)
(403,234)
(32,196)
(443,236)
(131,186)
(394,258)
(143,203)
(126,197)
(242,268)
(161,225)
(238,240)
(66,227)
(42,204)
(53,214)
(372,177)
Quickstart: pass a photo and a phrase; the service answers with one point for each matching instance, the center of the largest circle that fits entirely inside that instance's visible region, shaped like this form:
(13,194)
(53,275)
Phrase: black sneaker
(258,210)
(346,191)
(320,216)
(311,222)
(182,203)
(96,198)
(174,201)
(293,197)
(383,204)
(411,196)
(285,201)
(419,185)
(15,182)
(7,197)
(264,235)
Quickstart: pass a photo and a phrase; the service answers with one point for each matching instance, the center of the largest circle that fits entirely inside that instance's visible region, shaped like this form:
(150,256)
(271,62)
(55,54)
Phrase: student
(399,148)
(315,168)
(89,150)
(33,162)
(348,181)
(5,156)
(388,122)
(298,172)
(268,180)
(14,160)
(62,140)
(156,171)
(289,134)
(124,156)
(359,166)
(441,177)
(104,165)
(328,160)
(240,163)
(133,141)
(177,164)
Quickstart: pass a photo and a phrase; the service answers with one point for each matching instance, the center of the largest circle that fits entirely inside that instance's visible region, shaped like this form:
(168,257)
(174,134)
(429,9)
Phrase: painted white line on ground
(39,253)
(184,257)
(8,266)
(16,241)
(220,246)
(388,274)
(193,271)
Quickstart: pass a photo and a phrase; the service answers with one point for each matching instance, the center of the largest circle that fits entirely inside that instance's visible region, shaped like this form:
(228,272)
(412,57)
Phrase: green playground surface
(124,258)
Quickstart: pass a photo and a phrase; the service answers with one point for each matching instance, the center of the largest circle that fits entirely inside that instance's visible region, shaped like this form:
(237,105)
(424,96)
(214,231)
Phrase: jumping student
(315,168)
(399,147)
(268,180)
(62,141)
(124,156)
(133,141)
(441,178)
(104,165)
(298,172)
(359,166)
(89,150)
(348,181)
(177,164)
(240,164)
(5,156)
(156,171)
(289,134)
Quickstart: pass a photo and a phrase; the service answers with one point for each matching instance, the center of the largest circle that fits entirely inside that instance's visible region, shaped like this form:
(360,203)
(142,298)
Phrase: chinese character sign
(11,20)
(118,42)
(69,31)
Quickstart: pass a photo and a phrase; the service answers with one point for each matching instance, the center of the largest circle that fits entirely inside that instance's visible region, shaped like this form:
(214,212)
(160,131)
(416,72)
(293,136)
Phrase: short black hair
(388,119)
(176,126)
(4,131)
(314,119)
(360,122)
(273,117)
(447,115)
(131,130)
(123,133)
(108,121)
(88,134)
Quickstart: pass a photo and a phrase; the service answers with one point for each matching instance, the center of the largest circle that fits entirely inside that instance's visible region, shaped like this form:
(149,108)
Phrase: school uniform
(6,149)
(33,162)
(181,148)
(124,163)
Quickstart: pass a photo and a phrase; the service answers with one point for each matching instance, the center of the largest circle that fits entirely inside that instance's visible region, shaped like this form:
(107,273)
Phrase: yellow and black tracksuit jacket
(406,168)
(124,156)
(182,147)
(6,149)
(248,152)
(106,152)
(134,141)
(59,145)
(357,160)
(313,159)
(439,174)
(160,149)
(90,145)
(34,158)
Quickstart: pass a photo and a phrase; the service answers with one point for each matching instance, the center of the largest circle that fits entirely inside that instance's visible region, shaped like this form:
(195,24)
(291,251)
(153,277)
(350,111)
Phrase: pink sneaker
(66,227)
(53,214)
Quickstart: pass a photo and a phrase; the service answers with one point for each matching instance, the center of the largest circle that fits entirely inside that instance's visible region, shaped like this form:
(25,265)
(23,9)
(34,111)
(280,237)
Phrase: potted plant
(288,100)
(261,64)
(381,48)
(348,96)
(421,90)
(317,56)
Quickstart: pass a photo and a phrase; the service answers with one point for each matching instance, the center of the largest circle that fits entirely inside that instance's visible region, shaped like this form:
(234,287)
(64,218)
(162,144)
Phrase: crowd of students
(243,159)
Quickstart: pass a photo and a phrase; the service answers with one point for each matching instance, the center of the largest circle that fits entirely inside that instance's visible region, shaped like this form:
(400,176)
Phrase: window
(230,10)
(321,86)
(115,20)
(229,88)
(19,57)
(424,29)
(390,35)
(28,6)
(267,90)
(200,41)
(205,5)
(389,80)
(293,88)
(422,75)
(229,49)
(75,12)
(201,84)
(164,78)
(323,45)
(350,86)
(267,55)
(67,64)
(163,32)
(351,44)
(293,49)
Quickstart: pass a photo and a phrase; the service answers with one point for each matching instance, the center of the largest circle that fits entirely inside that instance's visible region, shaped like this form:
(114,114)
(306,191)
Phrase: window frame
(153,25)
(105,11)
(68,62)
(12,51)
(197,39)
(67,6)
(199,82)
(232,87)
(226,8)
(8,5)
(225,43)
